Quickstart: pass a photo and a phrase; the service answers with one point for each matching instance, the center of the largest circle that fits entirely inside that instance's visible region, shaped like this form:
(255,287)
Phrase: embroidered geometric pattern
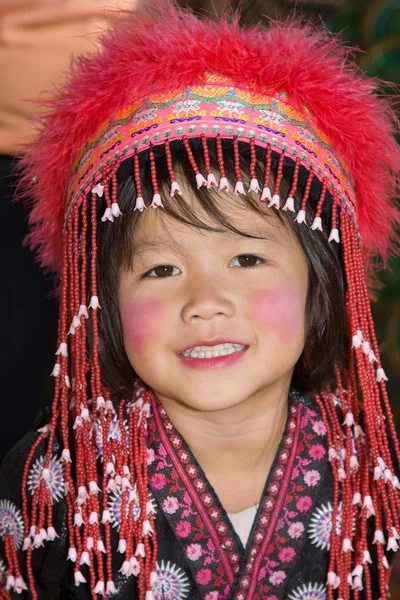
(171,584)
(55,483)
(310,591)
(11,522)
(320,528)
(214,106)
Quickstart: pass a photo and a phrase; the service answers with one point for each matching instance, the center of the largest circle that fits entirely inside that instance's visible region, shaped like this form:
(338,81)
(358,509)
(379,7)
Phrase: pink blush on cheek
(279,310)
(142,320)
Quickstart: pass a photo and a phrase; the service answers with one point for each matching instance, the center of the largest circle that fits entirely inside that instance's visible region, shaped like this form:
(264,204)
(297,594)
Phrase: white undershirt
(243,522)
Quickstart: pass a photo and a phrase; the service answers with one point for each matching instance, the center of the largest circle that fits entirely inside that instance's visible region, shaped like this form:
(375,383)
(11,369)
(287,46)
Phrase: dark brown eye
(161,271)
(247,260)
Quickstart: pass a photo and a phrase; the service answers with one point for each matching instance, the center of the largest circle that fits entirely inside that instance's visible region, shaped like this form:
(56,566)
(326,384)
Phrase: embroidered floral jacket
(200,555)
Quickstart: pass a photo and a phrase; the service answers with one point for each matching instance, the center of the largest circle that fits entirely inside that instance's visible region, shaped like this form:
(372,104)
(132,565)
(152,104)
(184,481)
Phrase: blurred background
(37,38)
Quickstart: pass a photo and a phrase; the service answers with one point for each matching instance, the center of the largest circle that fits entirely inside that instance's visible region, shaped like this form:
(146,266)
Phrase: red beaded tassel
(108,215)
(156,193)
(365,489)
(200,181)
(175,189)
(223,182)
(301,215)
(239,189)
(334,234)
(289,204)
(211,181)
(123,465)
(275,201)
(266,193)
(254,185)
(317,223)
(140,205)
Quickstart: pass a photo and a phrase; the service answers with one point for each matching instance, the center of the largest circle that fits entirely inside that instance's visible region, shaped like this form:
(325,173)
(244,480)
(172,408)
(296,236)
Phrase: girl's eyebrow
(226,235)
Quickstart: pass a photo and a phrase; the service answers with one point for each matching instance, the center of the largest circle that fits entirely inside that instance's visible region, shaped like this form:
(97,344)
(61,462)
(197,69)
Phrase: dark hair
(326,323)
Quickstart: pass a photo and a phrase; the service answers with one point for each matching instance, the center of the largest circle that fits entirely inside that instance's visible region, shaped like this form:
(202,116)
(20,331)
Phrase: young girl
(210,199)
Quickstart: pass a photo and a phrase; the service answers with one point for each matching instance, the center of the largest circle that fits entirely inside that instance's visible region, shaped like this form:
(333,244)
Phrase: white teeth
(212,351)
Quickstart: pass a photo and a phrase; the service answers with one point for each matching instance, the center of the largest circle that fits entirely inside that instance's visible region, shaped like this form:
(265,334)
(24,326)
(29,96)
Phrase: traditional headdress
(289,91)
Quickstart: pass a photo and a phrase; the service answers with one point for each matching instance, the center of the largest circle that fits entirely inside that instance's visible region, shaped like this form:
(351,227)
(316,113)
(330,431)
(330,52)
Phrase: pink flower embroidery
(319,428)
(296,529)
(183,529)
(170,505)
(158,481)
(194,551)
(277,577)
(212,596)
(287,554)
(151,457)
(317,451)
(312,478)
(204,576)
(304,503)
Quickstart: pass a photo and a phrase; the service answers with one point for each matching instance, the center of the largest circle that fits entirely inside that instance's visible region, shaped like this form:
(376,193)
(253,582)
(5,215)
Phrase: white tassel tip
(392,544)
(366,348)
(122,546)
(46,474)
(62,349)
(116,212)
(275,202)
(301,216)
(93,518)
(317,224)
(85,558)
(101,547)
(10,582)
(149,595)
(79,578)
(334,236)
(94,302)
(140,205)
(98,189)
(106,518)
(110,588)
(140,551)
(153,578)
(331,579)
(175,189)
(367,557)
(156,202)
(108,216)
(147,528)
(51,534)
(200,181)
(99,588)
(93,487)
(349,420)
(254,186)
(266,194)
(56,370)
(100,403)
(211,181)
(223,185)
(126,567)
(381,375)
(150,510)
(347,546)
(78,520)
(356,342)
(379,538)
(83,311)
(20,585)
(27,544)
(239,189)
(289,204)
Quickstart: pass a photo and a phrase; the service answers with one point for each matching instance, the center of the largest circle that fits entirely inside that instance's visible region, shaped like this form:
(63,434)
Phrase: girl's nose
(208,300)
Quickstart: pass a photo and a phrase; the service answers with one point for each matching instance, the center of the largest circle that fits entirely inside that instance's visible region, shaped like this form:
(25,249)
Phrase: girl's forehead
(155,225)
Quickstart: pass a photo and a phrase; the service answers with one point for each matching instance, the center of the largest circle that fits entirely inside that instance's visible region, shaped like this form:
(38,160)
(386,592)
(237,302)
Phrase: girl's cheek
(142,320)
(279,310)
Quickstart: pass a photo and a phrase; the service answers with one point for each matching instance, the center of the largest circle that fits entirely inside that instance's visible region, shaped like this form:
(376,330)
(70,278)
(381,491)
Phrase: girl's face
(189,288)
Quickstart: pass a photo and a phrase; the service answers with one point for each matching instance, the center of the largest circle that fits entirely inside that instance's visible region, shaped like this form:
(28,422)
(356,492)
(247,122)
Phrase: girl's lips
(218,362)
